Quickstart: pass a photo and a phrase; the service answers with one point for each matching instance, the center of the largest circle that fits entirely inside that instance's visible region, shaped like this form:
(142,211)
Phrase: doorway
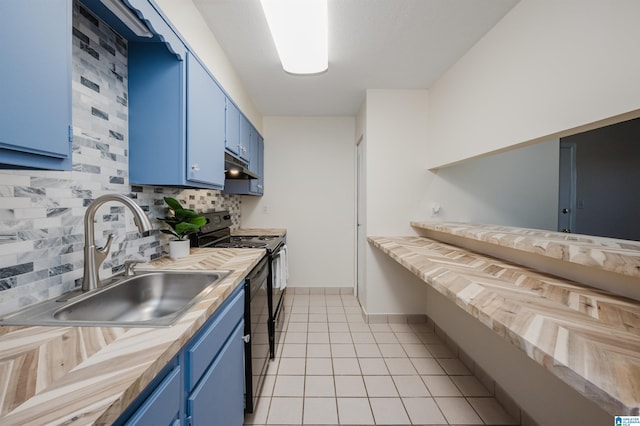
(361,242)
(599,172)
(567,188)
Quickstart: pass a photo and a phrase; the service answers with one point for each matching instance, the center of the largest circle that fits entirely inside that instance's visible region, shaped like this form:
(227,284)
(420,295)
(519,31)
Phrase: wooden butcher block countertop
(608,254)
(588,338)
(90,375)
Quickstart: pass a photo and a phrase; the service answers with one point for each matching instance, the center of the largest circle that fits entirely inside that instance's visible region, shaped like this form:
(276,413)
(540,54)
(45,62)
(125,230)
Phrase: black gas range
(269,242)
(216,233)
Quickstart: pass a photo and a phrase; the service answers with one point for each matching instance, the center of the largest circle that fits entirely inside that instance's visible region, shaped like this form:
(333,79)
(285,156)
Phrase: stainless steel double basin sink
(146,299)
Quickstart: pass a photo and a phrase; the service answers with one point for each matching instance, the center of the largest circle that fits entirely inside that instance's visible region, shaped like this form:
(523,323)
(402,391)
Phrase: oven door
(257,327)
(276,305)
(277,322)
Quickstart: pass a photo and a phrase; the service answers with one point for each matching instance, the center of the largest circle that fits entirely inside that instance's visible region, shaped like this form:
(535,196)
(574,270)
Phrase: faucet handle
(105,250)
(130,264)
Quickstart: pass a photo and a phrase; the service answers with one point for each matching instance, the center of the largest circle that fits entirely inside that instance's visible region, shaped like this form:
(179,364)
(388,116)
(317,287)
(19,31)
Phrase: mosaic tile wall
(41,212)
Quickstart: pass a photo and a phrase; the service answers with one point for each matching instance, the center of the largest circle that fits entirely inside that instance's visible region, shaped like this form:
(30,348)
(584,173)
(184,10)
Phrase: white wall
(515,188)
(396,148)
(309,189)
(191,25)
(395,181)
(548,66)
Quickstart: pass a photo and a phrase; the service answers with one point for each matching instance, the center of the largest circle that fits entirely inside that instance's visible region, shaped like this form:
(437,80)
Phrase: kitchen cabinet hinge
(70,130)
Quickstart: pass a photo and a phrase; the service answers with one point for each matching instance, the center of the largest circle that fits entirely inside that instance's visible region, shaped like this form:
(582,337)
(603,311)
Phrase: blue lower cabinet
(218,399)
(204,384)
(163,405)
(212,337)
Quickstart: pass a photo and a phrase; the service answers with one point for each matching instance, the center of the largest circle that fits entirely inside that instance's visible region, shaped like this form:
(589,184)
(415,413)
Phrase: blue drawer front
(203,350)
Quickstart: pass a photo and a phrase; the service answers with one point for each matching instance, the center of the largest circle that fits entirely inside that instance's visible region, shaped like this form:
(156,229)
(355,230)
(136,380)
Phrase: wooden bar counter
(586,337)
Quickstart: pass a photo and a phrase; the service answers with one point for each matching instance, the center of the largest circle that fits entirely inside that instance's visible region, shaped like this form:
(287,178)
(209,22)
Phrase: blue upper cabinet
(157,116)
(155,22)
(232,140)
(256,186)
(176,110)
(238,132)
(35,88)
(205,126)
(245,139)
(176,120)
(256,165)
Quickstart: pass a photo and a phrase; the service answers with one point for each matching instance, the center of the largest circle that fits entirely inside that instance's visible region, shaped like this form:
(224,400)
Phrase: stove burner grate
(241,244)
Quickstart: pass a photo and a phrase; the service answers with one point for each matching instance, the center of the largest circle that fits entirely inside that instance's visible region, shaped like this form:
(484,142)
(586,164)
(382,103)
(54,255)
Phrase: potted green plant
(182,222)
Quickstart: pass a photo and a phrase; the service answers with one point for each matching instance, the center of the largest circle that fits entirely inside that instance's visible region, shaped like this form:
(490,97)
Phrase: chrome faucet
(93,257)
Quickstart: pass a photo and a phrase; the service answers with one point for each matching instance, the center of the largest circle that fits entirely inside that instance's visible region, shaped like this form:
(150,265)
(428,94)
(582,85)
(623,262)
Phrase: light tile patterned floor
(334,369)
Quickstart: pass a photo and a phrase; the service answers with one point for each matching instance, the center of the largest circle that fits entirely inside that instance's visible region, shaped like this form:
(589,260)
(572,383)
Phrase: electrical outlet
(264,209)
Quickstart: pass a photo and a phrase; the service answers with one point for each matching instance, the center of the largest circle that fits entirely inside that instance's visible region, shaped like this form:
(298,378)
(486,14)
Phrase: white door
(361,243)
(567,189)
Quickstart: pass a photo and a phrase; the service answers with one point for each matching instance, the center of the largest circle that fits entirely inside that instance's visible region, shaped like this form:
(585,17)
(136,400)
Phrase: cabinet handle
(246,338)
(195,167)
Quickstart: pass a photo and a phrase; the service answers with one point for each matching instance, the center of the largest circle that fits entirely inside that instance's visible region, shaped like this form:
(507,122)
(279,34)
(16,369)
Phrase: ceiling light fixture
(127,17)
(299,30)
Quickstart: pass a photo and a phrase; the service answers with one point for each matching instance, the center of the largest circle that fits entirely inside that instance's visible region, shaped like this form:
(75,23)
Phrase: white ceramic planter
(179,249)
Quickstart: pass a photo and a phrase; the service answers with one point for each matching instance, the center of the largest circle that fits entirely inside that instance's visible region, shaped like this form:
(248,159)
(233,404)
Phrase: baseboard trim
(320,290)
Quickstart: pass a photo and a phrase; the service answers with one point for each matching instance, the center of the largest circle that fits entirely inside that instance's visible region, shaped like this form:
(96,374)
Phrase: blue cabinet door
(203,348)
(253,150)
(35,88)
(163,405)
(157,113)
(205,126)
(257,185)
(219,397)
(232,139)
(245,139)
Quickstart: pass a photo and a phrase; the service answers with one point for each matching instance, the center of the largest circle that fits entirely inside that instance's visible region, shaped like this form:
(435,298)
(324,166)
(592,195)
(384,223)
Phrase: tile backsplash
(42,212)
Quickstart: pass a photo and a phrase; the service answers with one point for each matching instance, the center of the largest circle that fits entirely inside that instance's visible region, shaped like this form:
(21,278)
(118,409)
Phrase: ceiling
(373,44)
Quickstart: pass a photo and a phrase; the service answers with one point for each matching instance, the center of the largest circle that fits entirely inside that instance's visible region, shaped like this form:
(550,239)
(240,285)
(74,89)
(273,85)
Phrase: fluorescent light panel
(299,30)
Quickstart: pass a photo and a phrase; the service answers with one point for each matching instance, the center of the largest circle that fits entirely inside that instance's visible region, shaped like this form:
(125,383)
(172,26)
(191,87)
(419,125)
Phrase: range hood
(234,168)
